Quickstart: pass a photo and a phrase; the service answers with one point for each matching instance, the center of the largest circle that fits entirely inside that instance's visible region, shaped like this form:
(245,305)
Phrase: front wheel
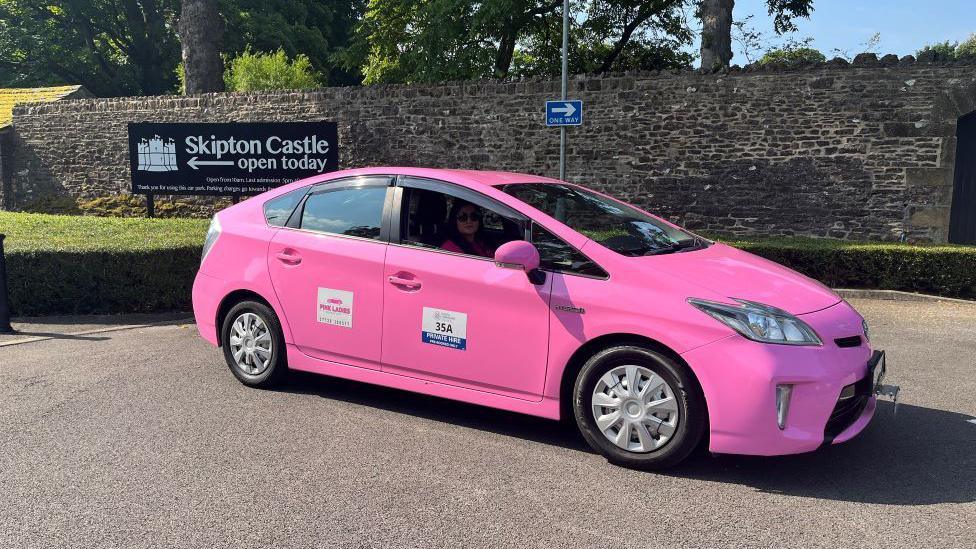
(638,408)
(254,347)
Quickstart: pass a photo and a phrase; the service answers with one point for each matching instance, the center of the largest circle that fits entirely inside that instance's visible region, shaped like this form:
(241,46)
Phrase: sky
(904,25)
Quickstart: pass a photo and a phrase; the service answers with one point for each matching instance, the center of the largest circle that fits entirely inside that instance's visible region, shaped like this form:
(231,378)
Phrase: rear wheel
(253,345)
(638,408)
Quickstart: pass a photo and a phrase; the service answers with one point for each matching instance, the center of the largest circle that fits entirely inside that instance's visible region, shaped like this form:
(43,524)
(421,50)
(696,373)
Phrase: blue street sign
(564,113)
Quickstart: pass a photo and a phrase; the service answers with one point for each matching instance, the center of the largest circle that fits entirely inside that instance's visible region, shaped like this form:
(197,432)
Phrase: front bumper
(739,379)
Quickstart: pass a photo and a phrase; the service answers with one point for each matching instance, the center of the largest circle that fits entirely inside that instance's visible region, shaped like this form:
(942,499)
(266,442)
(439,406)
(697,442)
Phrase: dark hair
(452,232)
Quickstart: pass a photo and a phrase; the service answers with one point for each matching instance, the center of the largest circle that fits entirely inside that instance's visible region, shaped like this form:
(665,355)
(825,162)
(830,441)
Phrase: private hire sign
(228,158)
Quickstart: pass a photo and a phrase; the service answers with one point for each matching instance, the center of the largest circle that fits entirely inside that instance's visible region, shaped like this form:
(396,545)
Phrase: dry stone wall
(857,152)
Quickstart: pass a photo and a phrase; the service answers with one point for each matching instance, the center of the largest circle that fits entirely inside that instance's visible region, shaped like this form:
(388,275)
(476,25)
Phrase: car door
(327,268)
(460,319)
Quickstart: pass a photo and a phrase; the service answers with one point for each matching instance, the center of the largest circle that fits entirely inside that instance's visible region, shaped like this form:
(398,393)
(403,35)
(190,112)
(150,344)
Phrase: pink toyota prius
(537,296)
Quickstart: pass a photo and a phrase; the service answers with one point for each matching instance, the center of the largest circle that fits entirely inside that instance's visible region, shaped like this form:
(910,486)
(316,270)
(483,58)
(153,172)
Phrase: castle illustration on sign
(157,156)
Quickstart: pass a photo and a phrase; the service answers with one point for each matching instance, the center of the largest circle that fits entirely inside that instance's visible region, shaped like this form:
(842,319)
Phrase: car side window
(352,211)
(426,222)
(278,210)
(556,255)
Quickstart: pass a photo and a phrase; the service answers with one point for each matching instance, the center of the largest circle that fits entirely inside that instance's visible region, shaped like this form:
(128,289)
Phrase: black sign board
(228,159)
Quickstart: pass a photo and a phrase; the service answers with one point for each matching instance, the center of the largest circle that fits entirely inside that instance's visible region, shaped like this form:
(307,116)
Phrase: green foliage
(949,51)
(942,51)
(315,28)
(967,48)
(112,47)
(792,56)
(437,40)
(256,71)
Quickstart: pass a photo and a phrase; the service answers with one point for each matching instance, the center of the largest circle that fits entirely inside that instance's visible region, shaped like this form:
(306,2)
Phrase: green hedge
(58,264)
(948,271)
(76,265)
(44,282)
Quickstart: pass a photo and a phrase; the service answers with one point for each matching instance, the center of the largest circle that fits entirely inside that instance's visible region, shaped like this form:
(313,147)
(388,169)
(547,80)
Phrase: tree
(112,47)
(201,29)
(436,40)
(716,19)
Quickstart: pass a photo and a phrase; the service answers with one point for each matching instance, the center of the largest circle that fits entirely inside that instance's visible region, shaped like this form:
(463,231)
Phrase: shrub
(967,48)
(256,71)
(792,56)
(944,270)
(73,264)
(948,51)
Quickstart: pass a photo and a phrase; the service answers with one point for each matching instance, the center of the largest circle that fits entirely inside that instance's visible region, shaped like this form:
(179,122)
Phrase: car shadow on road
(919,456)
(434,408)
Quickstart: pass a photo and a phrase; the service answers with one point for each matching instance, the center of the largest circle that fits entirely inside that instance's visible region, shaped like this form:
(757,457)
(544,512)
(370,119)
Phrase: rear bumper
(739,379)
(207,293)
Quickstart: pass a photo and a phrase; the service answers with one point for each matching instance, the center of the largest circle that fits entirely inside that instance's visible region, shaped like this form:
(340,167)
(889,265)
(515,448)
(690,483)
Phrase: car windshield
(623,229)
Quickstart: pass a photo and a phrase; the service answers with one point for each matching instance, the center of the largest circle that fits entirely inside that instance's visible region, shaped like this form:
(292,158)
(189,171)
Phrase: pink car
(537,296)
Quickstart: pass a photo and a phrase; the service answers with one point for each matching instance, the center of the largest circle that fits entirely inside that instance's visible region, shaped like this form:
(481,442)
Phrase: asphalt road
(142,438)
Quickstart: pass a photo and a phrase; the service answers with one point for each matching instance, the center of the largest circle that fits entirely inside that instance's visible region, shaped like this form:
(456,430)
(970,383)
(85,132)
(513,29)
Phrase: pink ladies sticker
(335,307)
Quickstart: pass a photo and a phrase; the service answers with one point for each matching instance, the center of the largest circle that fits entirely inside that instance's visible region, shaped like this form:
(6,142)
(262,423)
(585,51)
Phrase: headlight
(212,233)
(760,322)
(867,333)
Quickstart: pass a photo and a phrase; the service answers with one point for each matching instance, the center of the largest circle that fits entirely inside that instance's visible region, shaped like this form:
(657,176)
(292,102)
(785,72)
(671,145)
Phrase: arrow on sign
(193,163)
(566,110)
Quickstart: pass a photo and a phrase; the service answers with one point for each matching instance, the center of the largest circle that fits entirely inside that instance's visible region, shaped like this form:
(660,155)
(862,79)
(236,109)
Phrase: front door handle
(406,283)
(289,257)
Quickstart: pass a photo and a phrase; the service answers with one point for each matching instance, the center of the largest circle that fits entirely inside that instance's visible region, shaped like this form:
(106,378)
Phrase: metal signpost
(227,159)
(564,112)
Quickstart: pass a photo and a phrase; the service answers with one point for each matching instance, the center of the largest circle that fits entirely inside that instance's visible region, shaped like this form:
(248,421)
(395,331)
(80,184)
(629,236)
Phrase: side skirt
(547,407)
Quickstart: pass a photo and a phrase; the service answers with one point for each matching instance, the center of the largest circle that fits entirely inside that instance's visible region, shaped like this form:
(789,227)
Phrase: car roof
(469,178)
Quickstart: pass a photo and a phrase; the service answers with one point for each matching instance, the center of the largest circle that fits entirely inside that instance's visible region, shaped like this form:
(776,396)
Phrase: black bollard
(5,327)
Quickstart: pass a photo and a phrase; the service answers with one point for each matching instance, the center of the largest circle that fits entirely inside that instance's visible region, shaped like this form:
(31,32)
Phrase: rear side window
(354,211)
(278,210)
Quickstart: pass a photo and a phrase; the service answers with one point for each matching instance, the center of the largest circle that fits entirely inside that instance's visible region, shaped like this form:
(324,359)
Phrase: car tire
(672,429)
(253,344)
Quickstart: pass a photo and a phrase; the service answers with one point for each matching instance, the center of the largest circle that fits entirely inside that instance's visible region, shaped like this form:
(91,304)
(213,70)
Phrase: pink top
(483,251)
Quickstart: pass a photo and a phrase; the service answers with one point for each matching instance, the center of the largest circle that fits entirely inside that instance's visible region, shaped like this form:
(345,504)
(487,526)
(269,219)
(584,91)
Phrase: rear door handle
(406,283)
(289,257)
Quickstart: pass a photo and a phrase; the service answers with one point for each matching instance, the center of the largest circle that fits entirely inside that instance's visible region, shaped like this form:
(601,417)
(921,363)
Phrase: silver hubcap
(635,408)
(250,344)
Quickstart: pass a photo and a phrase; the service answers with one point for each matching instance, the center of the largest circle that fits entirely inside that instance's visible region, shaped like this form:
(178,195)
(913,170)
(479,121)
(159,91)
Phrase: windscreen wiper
(677,246)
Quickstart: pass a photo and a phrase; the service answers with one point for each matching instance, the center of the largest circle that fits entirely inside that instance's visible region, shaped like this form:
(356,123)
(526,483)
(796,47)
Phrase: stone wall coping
(862,62)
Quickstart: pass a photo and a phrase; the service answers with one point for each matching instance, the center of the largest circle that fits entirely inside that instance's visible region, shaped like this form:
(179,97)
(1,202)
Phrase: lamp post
(562,129)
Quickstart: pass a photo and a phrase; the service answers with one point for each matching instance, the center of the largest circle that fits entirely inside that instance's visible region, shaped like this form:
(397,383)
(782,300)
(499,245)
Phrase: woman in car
(464,231)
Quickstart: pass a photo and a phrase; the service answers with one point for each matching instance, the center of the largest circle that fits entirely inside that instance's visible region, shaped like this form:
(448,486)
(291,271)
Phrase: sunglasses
(464,216)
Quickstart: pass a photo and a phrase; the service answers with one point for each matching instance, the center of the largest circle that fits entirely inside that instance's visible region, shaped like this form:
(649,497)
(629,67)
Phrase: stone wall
(860,152)
(6,165)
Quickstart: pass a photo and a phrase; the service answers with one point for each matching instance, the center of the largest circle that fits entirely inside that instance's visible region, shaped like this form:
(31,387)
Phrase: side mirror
(517,254)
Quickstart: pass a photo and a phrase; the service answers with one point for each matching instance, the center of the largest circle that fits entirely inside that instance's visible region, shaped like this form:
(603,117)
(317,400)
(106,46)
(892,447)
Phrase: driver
(464,230)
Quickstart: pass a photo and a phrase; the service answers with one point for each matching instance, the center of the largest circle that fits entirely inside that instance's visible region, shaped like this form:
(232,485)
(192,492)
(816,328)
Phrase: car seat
(428,222)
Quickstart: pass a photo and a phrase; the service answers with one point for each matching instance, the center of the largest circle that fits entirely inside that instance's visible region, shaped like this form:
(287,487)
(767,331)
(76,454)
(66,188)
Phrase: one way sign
(564,113)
